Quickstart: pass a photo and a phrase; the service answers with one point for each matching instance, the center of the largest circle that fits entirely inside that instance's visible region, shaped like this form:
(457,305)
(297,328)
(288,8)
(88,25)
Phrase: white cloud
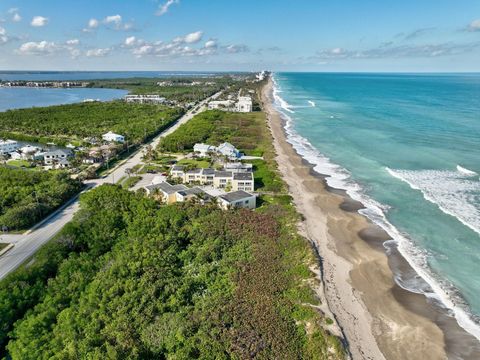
(98,52)
(93,23)
(474,25)
(163,9)
(16,17)
(129,41)
(210,44)
(3,36)
(38,48)
(39,21)
(73,42)
(115,19)
(235,49)
(191,38)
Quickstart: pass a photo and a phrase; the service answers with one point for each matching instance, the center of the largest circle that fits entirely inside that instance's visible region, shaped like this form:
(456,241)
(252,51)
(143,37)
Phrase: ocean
(408,147)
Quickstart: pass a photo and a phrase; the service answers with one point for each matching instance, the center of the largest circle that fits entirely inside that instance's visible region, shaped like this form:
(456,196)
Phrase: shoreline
(379,318)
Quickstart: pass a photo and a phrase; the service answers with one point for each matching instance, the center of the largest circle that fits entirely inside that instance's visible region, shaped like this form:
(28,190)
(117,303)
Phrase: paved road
(27,244)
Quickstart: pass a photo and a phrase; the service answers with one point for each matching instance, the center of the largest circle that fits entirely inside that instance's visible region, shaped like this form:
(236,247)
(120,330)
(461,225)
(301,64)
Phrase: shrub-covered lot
(74,122)
(26,196)
(129,278)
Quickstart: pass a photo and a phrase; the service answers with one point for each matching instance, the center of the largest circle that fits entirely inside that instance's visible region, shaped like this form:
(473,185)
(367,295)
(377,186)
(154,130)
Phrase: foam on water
(337,177)
(311,103)
(466,171)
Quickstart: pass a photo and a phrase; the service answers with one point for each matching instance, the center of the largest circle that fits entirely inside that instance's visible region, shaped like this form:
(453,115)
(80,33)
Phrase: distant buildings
(112,137)
(144,99)
(8,146)
(204,149)
(243,104)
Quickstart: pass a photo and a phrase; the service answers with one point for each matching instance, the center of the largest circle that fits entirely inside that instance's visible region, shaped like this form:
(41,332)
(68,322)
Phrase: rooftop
(223,174)
(243,176)
(235,196)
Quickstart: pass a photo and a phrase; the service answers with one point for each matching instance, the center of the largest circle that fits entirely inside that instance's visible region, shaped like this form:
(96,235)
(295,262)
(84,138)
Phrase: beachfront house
(192,194)
(222,179)
(237,199)
(200,176)
(244,104)
(204,149)
(112,137)
(8,146)
(238,167)
(243,181)
(57,157)
(228,150)
(165,190)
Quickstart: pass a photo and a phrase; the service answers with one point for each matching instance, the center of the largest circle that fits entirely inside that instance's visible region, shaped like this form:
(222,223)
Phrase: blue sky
(302,35)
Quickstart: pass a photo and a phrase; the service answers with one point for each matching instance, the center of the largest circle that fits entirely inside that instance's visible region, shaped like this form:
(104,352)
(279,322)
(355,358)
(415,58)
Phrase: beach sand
(378,318)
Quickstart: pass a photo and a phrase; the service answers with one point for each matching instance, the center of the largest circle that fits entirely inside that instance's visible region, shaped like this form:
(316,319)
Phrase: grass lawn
(19,163)
(195,163)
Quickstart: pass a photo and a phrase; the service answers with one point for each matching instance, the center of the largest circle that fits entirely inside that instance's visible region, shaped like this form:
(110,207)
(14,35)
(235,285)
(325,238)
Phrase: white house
(8,146)
(58,157)
(237,199)
(243,181)
(112,137)
(204,149)
(221,104)
(238,167)
(145,99)
(244,104)
(228,150)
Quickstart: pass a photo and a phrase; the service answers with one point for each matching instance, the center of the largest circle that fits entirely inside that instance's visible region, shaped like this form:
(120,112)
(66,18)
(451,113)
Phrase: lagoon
(23,97)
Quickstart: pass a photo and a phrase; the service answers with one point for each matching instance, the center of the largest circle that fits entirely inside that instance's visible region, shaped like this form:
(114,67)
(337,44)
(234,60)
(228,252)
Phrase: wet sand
(378,318)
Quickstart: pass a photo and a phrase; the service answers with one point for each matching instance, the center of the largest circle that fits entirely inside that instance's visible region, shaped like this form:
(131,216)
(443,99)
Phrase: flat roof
(243,176)
(235,196)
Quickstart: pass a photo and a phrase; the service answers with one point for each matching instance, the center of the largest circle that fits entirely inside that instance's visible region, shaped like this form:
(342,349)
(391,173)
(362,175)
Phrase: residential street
(28,243)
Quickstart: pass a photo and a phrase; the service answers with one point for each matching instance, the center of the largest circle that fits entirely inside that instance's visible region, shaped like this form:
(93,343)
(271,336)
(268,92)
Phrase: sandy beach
(378,318)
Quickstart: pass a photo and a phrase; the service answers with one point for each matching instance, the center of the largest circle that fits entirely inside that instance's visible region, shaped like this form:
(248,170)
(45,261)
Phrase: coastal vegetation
(130,278)
(72,123)
(246,131)
(179,90)
(26,197)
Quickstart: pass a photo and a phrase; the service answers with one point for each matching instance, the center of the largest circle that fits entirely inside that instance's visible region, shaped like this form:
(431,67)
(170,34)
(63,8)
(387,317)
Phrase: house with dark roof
(243,181)
(236,199)
(165,190)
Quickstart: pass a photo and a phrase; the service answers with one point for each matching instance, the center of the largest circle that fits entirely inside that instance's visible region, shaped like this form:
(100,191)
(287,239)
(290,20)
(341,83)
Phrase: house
(221,105)
(16,155)
(228,150)
(165,190)
(237,167)
(193,193)
(244,104)
(243,181)
(222,179)
(201,176)
(204,149)
(177,172)
(7,146)
(29,150)
(56,157)
(144,99)
(112,137)
(237,199)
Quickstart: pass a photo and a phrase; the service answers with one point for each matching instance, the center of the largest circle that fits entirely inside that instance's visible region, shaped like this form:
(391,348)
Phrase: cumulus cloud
(73,42)
(39,21)
(113,22)
(474,25)
(402,51)
(98,52)
(15,13)
(116,19)
(163,9)
(182,46)
(3,36)
(38,48)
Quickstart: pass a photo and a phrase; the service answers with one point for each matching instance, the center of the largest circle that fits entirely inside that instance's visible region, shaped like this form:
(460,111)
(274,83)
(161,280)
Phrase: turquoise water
(17,98)
(407,146)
